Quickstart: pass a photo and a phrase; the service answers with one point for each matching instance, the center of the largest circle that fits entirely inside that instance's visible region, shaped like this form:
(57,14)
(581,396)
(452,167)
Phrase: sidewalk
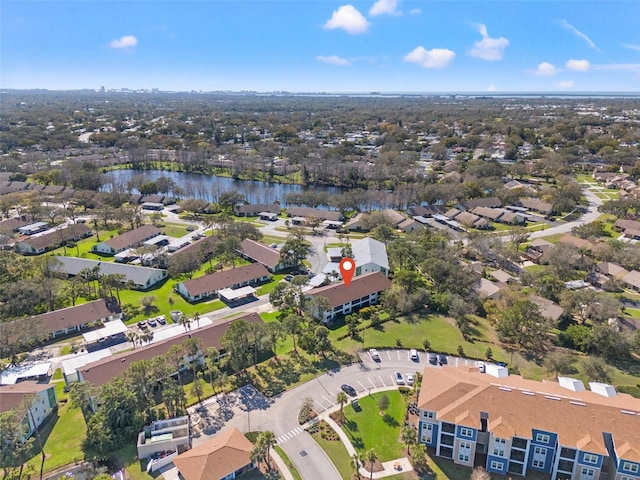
(392,467)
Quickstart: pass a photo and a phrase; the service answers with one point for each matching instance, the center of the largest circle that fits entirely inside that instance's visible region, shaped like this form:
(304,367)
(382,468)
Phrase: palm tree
(268,439)
(409,437)
(371,458)
(196,318)
(132,337)
(185,321)
(419,457)
(356,462)
(342,398)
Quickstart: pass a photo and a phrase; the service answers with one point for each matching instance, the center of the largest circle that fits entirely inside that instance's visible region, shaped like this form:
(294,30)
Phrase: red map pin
(347,269)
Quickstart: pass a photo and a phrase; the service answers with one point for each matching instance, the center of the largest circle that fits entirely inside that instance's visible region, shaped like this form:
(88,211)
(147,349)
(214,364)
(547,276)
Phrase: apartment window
(466,432)
(630,467)
(590,458)
(539,457)
(429,415)
(496,465)
(542,438)
(627,478)
(587,473)
(499,446)
(427,432)
(464,452)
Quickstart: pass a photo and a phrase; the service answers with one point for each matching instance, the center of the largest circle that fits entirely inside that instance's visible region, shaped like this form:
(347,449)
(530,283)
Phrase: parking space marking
(389,354)
(363,387)
(398,354)
(332,404)
(321,405)
(383,384)
(372,383)
(393,378)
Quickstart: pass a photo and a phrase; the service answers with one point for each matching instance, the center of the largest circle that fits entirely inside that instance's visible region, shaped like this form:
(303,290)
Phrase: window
(466,432)
(590,458)
(464,452)
(427,433)
(539,457)
(630,467)
(496,465)
(499,446)
(542,438)
(587,473)
(429,415)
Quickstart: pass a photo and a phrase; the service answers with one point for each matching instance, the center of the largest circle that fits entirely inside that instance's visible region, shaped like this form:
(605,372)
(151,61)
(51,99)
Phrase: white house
(370,256)
(34,413)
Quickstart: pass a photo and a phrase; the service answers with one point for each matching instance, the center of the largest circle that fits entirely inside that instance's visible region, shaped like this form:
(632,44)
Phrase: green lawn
(368,429)
(338,454)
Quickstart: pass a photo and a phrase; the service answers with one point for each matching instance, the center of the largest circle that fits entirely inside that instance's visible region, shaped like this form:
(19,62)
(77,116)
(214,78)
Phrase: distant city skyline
(322,46)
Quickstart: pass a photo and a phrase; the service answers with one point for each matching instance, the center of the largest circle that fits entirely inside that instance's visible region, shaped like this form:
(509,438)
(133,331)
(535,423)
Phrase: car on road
(142,325)
(152,322)
(433,359)
(375,356)
(399,378)
(410,378)
(349,390)
(442,359)
(413,354)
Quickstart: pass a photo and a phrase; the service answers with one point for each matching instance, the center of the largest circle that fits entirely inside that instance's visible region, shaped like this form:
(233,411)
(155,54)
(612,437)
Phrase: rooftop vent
(505,389)
(603,389)
(571,384)
(580,404)
(550,397)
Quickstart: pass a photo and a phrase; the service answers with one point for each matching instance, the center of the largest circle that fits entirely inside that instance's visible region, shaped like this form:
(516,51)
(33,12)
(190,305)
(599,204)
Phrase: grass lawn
(62,438)
(288,462)
(367,429)
(338,454)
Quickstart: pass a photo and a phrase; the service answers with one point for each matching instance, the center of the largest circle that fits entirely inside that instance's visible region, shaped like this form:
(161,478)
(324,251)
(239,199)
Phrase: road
(280,416)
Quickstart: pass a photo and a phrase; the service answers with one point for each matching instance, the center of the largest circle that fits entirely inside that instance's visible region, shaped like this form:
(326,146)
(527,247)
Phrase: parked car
(433,359)
(413,354)
(152,322)
(162,320)
(399,378)
(288,278)
(273,245)
(191,228)
(409,378)
(442,359)
(375,356)
(142,325)
(481,367)
(349,390)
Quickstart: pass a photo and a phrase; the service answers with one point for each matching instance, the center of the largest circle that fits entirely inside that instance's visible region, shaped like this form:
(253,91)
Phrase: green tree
(557,363)
(372,457)
(596,369)
(342,398)
(383,403)
(419,457)
(409,437)
(356,463)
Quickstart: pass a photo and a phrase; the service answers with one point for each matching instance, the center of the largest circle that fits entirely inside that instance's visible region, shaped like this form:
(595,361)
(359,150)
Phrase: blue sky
(322,45)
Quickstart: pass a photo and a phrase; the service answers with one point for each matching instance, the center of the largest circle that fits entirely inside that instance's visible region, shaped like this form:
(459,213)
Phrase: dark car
(349,390)
(433,359)
(442,359)
(142,325)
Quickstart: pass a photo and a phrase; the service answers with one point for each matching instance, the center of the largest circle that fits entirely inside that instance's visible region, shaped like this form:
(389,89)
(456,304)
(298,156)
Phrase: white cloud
(566,84)
(415,11)
(434,58)
(385,7)
(488,48)
(578,65)
(334,60)
(545,69)
(579,34)
(491,88)
(127,41)
(348,18)
(631,47)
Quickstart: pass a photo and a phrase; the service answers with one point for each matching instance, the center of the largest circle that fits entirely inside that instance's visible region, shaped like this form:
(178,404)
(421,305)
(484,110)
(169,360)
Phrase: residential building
(409,225)
(78,318)
(202,247)
(253,210)
(489,202)
(262,254)
(537,205)
(632,280)
(363,291)
(163,440)
(547,308)
(305,212)
(207,286)
(579,243)
(536,249)
(370,255)
(49,241)
(101,371)
(512,426)
(225,456)
(131,239)
(486,288)
(34,412)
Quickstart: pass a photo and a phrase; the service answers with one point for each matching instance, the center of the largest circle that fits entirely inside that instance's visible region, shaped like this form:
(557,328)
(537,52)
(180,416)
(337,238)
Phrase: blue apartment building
(522,428)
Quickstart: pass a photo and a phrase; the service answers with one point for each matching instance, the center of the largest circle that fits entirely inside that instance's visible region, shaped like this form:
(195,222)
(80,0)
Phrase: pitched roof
(488,212)
(100,372)
(536,204)
(260,252)
(12,395)
(393,215)
(315,212)
(548,309)
(198,246)
(492,202)
(58,237)
(138,275)
(132,237)
(576,242)
(227,278)
(361,286)
(369,250)
(515,406)
(612,269)
(501,276)
(256,208)
(486,288)
(632,278)
(225,453)
(80,314)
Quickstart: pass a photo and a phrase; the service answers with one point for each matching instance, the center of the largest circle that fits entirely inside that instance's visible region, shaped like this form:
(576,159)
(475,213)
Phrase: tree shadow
(351,426)
(390,421)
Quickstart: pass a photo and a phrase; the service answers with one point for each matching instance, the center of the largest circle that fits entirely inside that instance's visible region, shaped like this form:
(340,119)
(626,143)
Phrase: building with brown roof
(35,411)
(78,318)
(261,253)
(363,291)
(513,426)
(489,202)
(307,213)
(49,241)
(537,205)
(579,243)
(225,456)
(100,372)
(253,210)
(208,286)
(131,239)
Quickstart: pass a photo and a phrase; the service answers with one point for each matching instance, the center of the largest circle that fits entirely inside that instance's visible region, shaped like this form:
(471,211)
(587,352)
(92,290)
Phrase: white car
(413,354)
(481,367)
(374,354)
(399,378)
(410,378)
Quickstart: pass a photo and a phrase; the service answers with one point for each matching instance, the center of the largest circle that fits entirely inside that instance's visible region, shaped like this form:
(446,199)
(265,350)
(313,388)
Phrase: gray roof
(138,275)
(369,250)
